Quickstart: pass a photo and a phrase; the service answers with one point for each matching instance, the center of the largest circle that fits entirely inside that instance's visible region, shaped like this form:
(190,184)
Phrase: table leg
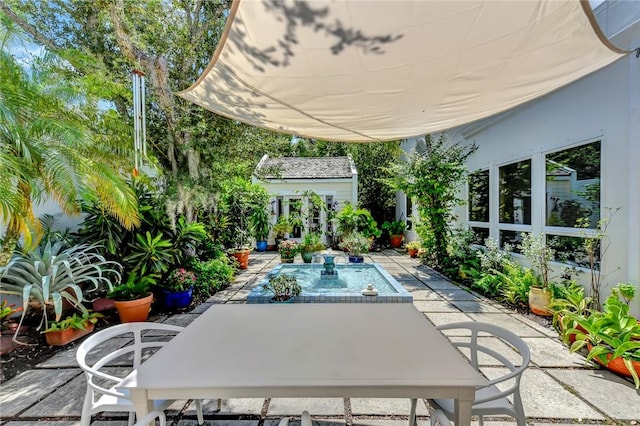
(141,403)
(463,411)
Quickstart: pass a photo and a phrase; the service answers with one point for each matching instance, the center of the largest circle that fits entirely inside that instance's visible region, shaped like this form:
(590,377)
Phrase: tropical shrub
(212,275)
(49,274)
(351,219)
(516,282)
(179,279)
(355,243)
(135,287)
(395,227)
(151,254)
(283,287)
(288,249)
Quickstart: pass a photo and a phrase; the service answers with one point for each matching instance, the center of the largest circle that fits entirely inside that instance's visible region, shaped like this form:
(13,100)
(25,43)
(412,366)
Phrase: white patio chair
(102,394)
(490,399)
(439,418)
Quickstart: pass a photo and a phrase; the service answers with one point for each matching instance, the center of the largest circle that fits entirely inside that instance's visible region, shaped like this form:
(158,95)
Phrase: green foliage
(432,177)
(570,298)
(539,254)
(75,321)
(351,219)
(355,243)
(516,283)
(151,254)
(613,333)
(283,287)
(312,242)
(396,227)
(50,273)
(260,224)
(212,275)
(413,245)
(288,249)
(283,226)
(240,200)
(135,287)
(6,310)
(179,280)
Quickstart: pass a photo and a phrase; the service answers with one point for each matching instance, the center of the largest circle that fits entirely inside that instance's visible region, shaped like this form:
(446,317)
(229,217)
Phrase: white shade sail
(365,70)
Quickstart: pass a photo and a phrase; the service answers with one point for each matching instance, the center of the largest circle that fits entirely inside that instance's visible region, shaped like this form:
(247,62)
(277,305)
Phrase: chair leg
(85,419)
(412,412)
(198,403)
(306,419)
(132,417)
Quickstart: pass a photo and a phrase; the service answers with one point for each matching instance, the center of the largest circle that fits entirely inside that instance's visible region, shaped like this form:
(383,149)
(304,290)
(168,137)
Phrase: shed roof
(305,167)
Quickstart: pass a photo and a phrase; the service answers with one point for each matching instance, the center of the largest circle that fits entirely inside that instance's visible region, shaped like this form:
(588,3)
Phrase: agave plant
(52,273)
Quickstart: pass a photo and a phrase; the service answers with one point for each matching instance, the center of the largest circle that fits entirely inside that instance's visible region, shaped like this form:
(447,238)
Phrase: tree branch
(28,28)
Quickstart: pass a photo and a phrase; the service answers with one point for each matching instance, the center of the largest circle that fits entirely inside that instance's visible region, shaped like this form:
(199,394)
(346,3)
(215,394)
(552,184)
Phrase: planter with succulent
(612,337)
(355,244)
(288,250)
(177,289)
(539,254)
(133,298)
(260,227)
(283,287)
(395,229)
(311,244)
(52,274)
(412,248)
(7,310)
(571,299)
(71,328)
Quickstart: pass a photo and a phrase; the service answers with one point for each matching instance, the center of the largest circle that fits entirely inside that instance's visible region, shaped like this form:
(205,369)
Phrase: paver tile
(476,306)
(491,343)
(64,401)
(241,406)
(385,407)
(382,422)
(507,321)
(543,397)
(440,318)
(457,294)
(609,393)
(425,294)
(412,284)
(440,284)
(28,388)
(220,423)
(182,320)
(434,306)
(295,406)
(548,352)
(201,308)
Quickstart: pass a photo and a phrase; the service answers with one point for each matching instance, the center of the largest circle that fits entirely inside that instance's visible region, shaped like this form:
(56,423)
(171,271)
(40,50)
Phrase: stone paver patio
(557,388)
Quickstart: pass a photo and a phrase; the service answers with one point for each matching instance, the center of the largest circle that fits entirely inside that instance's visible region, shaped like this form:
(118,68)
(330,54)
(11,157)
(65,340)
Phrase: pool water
(346,288)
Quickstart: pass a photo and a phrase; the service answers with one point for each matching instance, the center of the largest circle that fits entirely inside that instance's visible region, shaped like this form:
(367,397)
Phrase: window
(515,193)
(479,235)
(479,196)
(573,187)
(571,250)
(513,238)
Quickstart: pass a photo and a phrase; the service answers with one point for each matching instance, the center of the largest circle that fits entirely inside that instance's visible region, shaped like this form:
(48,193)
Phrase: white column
(633,195)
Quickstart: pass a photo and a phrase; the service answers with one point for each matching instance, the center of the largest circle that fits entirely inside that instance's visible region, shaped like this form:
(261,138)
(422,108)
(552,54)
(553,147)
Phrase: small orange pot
(395,241)
(243,258)
(616,365)
(134,310)
(412,252)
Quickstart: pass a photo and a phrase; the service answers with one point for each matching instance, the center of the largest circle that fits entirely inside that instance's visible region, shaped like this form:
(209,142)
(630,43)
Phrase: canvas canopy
(365,70)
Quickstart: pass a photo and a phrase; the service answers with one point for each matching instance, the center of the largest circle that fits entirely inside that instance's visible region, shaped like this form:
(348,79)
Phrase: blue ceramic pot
(261,245)
(356,259)
(177,299)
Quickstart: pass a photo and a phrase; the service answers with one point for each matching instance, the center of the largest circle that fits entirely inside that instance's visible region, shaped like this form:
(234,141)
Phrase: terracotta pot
(243,258)
(412,252)
(539,300)
(616,365)
(68,335)
(286,260)
(134,310)
(395,241)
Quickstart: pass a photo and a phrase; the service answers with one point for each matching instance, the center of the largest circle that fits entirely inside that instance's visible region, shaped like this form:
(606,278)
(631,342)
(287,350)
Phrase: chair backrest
(136,337)
(479,329)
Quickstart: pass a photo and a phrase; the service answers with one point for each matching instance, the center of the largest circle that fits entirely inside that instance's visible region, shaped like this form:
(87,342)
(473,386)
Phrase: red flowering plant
(180,280)
(288,249)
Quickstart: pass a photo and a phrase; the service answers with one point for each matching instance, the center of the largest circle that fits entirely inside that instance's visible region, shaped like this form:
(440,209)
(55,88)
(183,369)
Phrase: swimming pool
(346,287)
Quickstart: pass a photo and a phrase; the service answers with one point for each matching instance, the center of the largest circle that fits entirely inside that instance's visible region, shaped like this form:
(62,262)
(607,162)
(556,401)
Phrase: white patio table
(307,350)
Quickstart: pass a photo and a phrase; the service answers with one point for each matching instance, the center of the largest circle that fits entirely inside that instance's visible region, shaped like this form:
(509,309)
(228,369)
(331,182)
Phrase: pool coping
(402,295)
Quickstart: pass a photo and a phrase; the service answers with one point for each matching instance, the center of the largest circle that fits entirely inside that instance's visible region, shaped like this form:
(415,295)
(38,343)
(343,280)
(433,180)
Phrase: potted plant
(612,337)
(288,250)
(571,300)
(355,244)
(177,289)
(282,228)
(260,226)
(71,328)
(412,248)
(133,298)
(395,229)
(284,287)
(310,244)
(539,254)
(6,311)
(52,274)
(241,255)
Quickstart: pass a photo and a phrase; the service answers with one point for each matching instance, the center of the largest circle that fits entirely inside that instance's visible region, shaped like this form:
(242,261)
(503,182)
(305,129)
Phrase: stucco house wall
(603,106)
